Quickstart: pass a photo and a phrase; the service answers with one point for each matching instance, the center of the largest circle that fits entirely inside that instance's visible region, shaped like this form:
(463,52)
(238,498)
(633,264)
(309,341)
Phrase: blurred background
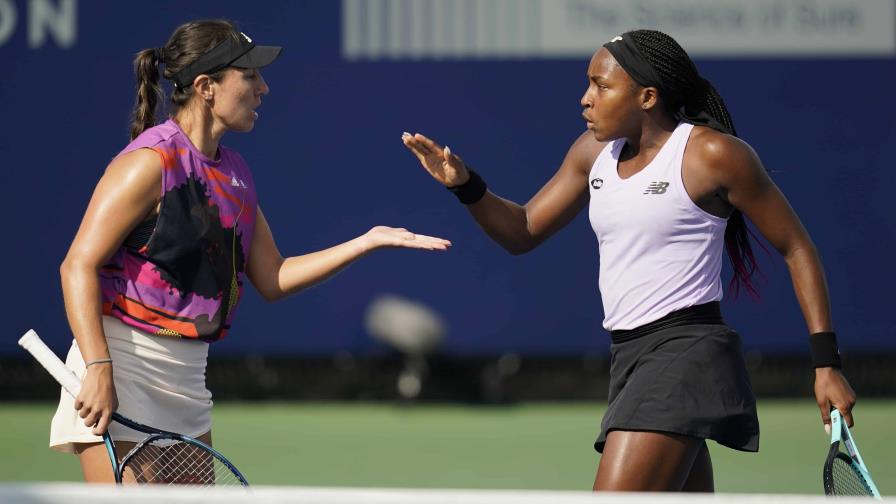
(492,367)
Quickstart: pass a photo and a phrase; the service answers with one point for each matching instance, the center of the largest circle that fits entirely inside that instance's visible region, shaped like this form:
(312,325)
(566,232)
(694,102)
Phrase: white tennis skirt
(160,382)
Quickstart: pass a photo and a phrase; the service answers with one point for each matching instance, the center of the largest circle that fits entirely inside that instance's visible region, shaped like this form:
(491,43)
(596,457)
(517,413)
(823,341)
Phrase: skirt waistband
(708,313)
(185,350)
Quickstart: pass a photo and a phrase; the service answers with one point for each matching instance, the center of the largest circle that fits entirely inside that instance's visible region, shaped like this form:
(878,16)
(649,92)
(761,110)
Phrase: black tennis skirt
(683,375)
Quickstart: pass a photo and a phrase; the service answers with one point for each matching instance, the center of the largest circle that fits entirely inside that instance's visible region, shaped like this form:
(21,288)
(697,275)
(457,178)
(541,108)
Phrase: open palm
(447,168)
(384,236)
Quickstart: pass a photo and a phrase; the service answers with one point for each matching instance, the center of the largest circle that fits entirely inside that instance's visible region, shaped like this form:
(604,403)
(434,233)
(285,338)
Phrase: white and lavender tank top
(659,251)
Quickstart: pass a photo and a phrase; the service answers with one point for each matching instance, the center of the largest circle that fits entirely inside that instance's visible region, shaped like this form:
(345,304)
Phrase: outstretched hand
(447,168)
(384,236)
(833,391)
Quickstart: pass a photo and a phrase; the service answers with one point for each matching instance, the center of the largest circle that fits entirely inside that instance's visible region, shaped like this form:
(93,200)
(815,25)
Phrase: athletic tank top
(181,273)
(659,251)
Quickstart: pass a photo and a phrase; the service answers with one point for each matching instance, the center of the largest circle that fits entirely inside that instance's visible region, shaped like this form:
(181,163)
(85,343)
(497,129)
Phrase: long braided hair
(686,93)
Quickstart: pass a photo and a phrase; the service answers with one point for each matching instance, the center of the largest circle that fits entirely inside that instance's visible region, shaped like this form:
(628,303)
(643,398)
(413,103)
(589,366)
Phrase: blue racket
(845,473)
(162,457)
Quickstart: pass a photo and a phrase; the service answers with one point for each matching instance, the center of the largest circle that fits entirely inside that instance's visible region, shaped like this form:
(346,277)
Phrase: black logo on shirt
(597,183)
(656,188)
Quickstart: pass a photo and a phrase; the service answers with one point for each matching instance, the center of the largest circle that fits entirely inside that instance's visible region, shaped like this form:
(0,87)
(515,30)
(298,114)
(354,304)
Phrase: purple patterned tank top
(181,273)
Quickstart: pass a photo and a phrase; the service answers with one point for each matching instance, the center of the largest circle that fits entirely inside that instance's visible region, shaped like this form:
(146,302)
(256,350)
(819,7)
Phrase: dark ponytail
(149,92)
(188,42)
(691,98)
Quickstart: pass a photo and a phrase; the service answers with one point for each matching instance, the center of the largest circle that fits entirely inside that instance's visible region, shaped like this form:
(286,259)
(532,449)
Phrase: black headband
(630,58)
(237,51)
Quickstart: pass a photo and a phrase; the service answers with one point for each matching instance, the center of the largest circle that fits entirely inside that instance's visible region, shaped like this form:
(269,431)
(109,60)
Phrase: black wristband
(823,346)
(470,191)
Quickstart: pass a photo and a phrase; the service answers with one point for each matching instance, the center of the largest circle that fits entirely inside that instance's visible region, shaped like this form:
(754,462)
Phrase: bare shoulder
(134,178)
(141,166)
(584,152)
(713,145)
(719,156)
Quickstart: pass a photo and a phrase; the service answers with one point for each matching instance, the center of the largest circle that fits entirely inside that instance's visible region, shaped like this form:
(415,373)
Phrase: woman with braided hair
(667,183)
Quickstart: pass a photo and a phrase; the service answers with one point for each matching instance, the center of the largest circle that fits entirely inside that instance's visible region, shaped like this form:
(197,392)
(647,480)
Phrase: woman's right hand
(444,166)
(97,400)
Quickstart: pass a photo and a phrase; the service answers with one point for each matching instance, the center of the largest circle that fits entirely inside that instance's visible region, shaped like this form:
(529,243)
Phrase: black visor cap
(237,52)
(257,57)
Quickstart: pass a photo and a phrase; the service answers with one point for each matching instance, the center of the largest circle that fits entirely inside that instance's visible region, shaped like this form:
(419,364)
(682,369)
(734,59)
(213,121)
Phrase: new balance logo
(656,188)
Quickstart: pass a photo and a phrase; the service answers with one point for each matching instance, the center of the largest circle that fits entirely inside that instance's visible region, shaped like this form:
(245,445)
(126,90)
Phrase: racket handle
(65,376)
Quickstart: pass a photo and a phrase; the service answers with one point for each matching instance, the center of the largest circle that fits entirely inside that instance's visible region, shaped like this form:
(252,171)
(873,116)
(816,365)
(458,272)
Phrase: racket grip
(65,376)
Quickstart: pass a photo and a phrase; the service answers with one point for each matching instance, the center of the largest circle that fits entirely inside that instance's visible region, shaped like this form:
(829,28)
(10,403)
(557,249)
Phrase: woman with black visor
(172,231)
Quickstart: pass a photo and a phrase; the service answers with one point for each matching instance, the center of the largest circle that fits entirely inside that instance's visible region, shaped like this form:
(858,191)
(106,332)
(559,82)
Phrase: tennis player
(666,182)
(158,265)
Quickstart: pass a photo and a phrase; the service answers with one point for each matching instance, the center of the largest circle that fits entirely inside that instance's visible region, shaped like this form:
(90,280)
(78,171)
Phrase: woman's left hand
(384,236)
(833,391)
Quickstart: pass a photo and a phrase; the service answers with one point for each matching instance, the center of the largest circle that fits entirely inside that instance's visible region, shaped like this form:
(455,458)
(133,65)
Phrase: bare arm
(125,194)
(276,277)
(518,228)
(736,170)
(746,185)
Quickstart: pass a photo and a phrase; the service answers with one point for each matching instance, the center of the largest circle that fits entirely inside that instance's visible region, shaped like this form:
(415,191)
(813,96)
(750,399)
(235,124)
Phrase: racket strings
(179,464)
(846,478)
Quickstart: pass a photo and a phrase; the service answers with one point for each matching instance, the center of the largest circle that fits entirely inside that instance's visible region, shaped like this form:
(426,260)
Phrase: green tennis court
(527,446)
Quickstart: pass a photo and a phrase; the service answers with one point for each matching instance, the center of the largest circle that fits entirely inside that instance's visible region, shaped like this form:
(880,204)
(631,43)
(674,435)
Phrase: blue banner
(329,164)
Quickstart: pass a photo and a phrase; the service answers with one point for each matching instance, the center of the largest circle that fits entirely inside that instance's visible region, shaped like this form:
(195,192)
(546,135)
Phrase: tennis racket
(845,473)
(162,457)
